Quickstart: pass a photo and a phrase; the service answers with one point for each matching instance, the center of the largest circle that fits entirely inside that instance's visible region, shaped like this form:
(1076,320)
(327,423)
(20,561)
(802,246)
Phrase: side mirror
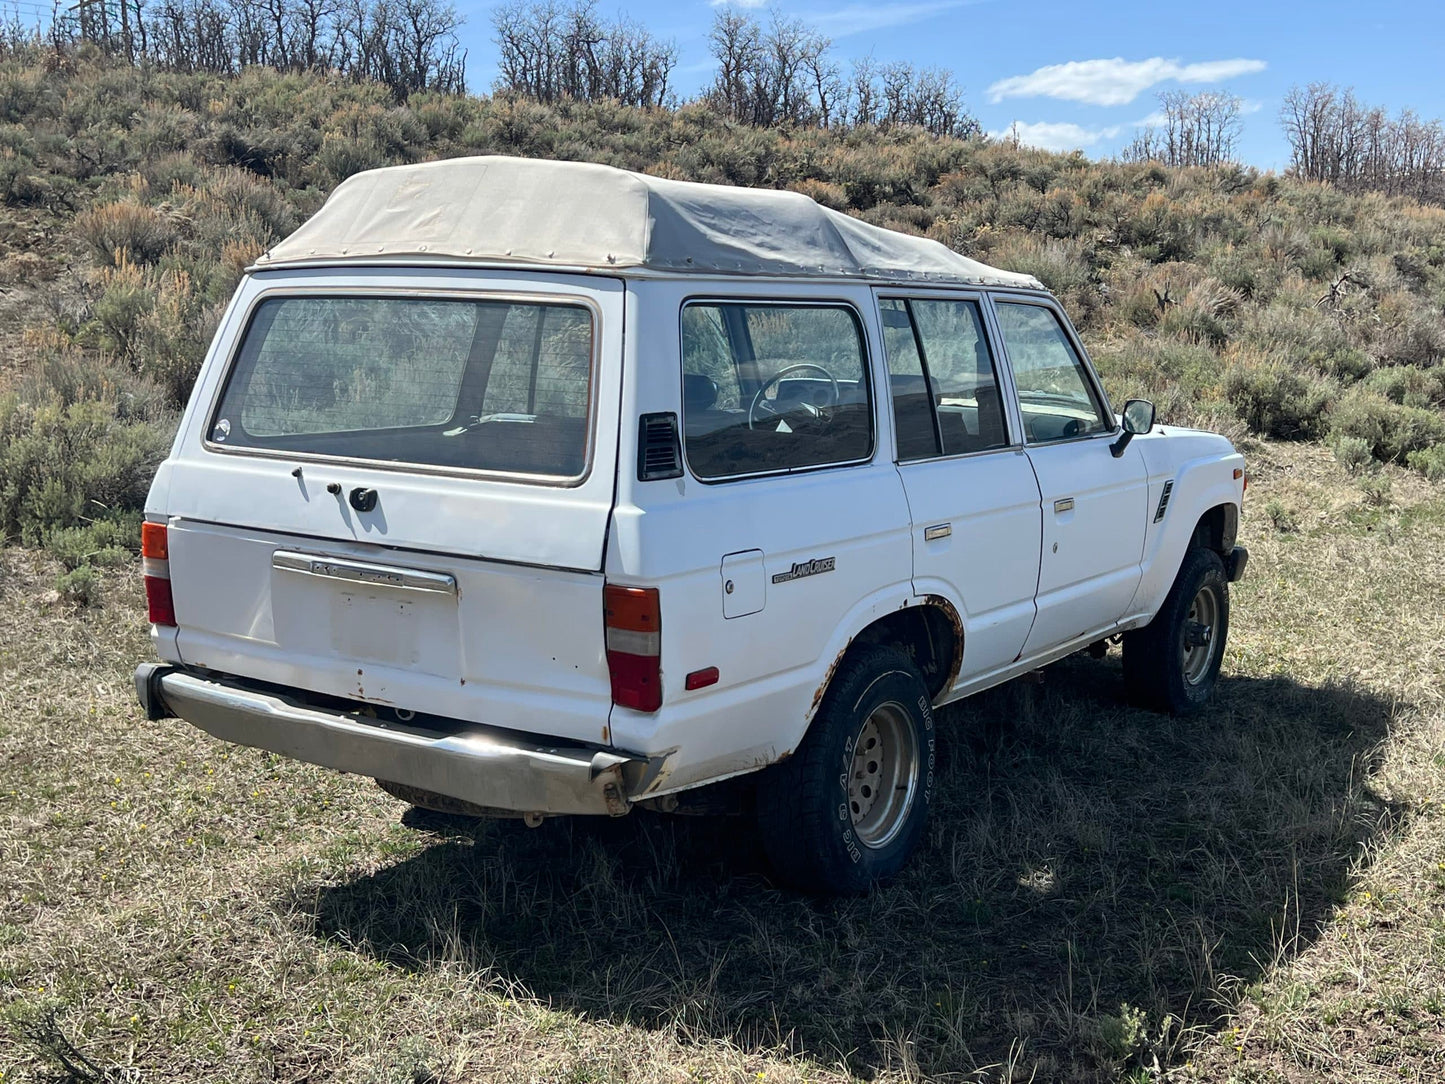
(1138,419)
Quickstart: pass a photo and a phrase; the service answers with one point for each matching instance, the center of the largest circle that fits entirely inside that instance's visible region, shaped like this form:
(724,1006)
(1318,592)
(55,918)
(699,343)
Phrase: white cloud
(860,18)
(1117,81)
(738,3)
(1054,135)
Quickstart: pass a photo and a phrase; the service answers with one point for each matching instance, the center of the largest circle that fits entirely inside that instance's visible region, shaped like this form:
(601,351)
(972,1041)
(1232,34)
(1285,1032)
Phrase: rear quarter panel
(773,664)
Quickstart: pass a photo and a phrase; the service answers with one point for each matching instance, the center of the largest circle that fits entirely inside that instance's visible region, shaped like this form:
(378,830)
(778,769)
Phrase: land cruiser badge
(805,568)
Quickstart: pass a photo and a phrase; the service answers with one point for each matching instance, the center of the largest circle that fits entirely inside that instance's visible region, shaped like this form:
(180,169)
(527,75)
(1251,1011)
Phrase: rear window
(466,384)
(773,387)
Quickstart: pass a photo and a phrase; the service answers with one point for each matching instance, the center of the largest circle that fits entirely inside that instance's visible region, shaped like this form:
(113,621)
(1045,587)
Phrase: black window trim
(866,360)
(394,293)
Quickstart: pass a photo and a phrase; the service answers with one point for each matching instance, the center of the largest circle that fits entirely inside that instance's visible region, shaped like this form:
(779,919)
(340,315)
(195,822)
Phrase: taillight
(632,617)
(156,564)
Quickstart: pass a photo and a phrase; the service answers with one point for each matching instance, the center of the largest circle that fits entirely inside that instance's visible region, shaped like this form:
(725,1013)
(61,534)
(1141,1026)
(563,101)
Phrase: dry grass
(1105,894)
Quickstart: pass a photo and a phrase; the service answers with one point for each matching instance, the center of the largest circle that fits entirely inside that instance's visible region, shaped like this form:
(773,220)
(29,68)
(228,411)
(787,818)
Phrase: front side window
(1054,389)
(471,384)
(773,387)
(945,387)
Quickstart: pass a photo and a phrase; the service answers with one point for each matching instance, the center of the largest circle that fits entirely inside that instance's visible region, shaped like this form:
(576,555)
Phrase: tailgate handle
(336,568)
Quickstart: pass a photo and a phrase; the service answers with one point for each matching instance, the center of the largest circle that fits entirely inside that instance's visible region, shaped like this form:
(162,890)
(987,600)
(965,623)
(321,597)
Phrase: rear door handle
(937,531)
(1064,504)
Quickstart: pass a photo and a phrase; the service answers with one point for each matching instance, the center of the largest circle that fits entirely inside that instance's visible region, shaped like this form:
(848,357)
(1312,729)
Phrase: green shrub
(62,465)
(1376,489)
(103,543)
(1428,461)
(1409,385)
(1391,430)
(1353,453)
(1283,519)
(126,298)
(80,586)
(1277,401)
(1304,336)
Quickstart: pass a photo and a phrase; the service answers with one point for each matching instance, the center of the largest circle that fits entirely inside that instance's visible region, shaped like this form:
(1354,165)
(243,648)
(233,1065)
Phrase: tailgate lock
(363,499)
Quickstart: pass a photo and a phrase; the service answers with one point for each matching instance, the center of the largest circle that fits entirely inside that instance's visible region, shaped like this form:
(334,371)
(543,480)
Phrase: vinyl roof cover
(521,211)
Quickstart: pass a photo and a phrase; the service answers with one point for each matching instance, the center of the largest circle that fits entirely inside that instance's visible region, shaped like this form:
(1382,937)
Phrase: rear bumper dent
(486,766)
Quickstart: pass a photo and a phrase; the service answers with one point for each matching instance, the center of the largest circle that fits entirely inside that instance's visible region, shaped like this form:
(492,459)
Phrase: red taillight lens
(160,607)
(155,560)
(632,618)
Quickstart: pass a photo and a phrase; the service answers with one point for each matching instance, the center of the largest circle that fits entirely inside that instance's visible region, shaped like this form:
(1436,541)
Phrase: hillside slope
(132,199)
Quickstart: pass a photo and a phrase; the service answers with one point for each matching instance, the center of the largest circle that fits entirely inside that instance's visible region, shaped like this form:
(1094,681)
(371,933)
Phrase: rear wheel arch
(929,632)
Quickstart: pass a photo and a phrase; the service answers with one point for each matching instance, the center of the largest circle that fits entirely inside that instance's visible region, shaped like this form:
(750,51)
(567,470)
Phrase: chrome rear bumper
(486,766)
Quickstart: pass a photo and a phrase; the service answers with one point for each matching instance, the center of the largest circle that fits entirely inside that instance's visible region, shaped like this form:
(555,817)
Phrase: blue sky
(1074,73)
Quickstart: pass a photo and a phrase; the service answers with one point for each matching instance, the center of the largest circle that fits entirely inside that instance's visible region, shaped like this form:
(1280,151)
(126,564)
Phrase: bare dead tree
(1335,139)
(1193,130)
(551,52)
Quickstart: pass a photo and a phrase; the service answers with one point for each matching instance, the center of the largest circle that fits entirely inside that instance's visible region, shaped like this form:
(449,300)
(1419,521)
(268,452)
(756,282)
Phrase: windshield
(468,384)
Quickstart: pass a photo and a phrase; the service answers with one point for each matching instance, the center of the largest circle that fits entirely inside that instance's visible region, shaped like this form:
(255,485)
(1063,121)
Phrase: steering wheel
(760,403)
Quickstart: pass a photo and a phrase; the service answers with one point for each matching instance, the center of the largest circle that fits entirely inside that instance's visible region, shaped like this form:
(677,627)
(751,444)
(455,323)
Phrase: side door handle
(1063,504)
(937,531)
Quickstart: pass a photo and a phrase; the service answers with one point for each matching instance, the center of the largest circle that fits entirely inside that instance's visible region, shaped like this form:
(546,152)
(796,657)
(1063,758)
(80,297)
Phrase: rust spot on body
(828,679)
(956,625)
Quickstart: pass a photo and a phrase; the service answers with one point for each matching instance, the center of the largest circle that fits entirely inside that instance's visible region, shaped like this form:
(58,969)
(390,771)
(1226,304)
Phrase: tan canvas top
(573,214)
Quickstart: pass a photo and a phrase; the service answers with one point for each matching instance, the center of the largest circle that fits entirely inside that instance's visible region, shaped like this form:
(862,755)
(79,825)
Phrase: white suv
(537,488)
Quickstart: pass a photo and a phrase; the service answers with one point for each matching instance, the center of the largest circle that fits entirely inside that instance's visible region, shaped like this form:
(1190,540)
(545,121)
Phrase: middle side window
(946,397)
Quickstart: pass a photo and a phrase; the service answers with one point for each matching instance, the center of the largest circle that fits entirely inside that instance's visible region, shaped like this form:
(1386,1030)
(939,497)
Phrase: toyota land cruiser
(537,488)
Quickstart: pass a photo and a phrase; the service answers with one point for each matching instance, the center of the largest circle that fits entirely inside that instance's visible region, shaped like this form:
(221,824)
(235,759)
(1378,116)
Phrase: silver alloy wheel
(883,779)
(1199,643)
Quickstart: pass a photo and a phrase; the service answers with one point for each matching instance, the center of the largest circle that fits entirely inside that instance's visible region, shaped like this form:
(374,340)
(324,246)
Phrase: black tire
(816,838)
(1159,672)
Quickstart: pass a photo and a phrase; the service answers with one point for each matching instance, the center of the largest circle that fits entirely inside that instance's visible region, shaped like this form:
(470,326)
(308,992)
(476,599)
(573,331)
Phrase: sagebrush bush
(1392,431)
(1355,454)
(80,586)
(77,451)
(125,231)
(1429,461)
(1279,401)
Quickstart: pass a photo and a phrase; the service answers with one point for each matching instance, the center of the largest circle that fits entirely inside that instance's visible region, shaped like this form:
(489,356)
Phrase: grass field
(1257,894)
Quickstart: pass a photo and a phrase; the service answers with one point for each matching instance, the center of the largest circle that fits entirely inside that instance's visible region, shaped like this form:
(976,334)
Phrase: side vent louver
(1164,500)
(658,453)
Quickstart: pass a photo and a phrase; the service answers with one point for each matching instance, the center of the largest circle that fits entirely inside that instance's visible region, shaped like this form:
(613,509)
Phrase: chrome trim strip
(363,572)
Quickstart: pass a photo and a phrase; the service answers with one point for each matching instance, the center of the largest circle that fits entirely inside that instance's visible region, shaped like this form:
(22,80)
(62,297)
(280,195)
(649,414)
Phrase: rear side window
(946,398)
(468,384)
(773,387)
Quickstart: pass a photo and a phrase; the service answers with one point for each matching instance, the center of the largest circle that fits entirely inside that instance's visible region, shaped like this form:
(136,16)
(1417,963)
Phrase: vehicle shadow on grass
(1096,879)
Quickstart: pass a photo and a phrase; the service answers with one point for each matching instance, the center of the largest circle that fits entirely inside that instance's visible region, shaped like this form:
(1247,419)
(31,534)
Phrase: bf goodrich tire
(1172,664)
(847,809)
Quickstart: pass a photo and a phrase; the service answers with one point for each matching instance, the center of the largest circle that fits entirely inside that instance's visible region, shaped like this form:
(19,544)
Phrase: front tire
(847,809)
(1172,664)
